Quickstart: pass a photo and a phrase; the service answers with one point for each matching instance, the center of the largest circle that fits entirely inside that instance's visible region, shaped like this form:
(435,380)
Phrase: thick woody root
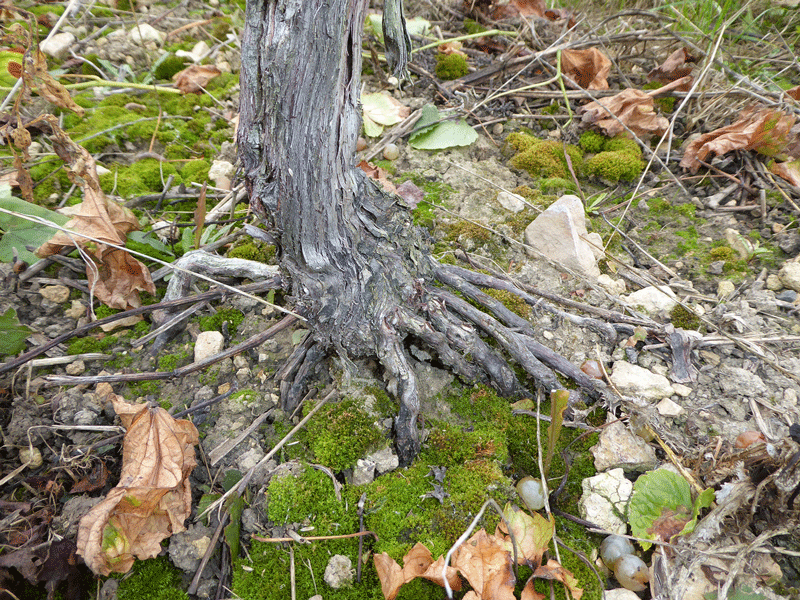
(455,332)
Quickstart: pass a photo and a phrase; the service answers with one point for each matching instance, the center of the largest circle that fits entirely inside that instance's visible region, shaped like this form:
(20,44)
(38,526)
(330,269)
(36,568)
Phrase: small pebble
(787,296)
(391,152)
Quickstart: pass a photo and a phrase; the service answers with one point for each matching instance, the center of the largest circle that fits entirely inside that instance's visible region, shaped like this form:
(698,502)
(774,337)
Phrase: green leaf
(381,110)
(416,26)
(298,336)
(433,134)
(12,334)
(559,400)
(18,232)
(661,506)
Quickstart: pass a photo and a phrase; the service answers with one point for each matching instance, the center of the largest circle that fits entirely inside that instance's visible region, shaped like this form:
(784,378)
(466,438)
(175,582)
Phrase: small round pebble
(391,152)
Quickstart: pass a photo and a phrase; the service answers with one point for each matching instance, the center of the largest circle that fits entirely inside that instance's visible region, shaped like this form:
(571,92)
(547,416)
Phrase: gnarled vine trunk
(352,256)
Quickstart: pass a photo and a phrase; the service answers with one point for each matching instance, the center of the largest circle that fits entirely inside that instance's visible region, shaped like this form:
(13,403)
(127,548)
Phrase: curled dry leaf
(519,8)
(194,79)
(452,48)
(555,572)
(790,171)
(117,277)
(677,66)
(589,68)
(484,561)
(36,77)
(153,497)
(764,130)
(794,93)
(378,174)
(630,107)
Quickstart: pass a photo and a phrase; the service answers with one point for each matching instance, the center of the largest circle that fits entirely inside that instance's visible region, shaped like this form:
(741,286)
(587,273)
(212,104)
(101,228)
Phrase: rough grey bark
(351,254)
(360,273)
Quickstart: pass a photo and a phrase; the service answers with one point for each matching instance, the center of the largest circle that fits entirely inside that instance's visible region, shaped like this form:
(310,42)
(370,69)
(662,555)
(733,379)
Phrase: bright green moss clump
(341,434)
(451,66)
(168,66)
(544,158)
(256,251)
(146,176)
(214,322)
(153,579)
(618,158)
(557,186)
(592,141)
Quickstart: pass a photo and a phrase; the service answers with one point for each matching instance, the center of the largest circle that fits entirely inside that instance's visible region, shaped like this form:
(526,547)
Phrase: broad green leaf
(416,26)
(298,336)
(12,334)
(434,135)
(381,110)
(18,232)
(661,506)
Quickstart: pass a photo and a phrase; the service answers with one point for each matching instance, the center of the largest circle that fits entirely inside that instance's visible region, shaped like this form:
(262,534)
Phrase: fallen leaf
(434,574)
(519,8)
(486,565)
(761,129)
(554,571)
(36,77)
(677,65)
(52,564)
(416,561)
(390,575)
(532,534)
(633,108)
(409,192)
(378,174)
(381,110)
(153,497)
(117,277)
(195,78)
(790,171)
(794,92)
(452,48)
(589,68)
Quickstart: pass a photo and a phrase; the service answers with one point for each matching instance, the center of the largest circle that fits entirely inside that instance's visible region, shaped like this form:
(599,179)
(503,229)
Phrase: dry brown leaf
(519,8)
(434,574)
(378,174)
(117,278)
(589,68)
(10,178)
(416,561)
(677,65)
(153,497)
(633,108)
(452,48)
(794,93)
(390,575)
(790,171)
(761,129)
(554,571)
(36,77)
(486,564)
(194,79)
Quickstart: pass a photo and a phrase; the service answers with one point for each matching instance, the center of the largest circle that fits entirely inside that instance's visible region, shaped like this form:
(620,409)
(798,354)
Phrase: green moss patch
(543,158)
(214,322)
(153,579)
(341,434)
(451,66)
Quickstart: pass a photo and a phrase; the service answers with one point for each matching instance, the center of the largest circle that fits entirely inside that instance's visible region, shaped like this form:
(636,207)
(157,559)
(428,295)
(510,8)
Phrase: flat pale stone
(653,299)
(143,33)
(209,343)
(58,45)
(668,408)
(790,275)
(612,286)
(618,447)
(55,293)
(633,380)
(620,594)
(513,202)
(682,390)
(558,233)
(725,289)
(605,497)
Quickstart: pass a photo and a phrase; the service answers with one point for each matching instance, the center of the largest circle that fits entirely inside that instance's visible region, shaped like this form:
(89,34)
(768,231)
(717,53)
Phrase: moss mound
(544,158)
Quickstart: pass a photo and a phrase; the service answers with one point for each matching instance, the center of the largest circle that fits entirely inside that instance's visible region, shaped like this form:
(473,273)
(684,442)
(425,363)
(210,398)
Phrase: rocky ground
(697,283)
